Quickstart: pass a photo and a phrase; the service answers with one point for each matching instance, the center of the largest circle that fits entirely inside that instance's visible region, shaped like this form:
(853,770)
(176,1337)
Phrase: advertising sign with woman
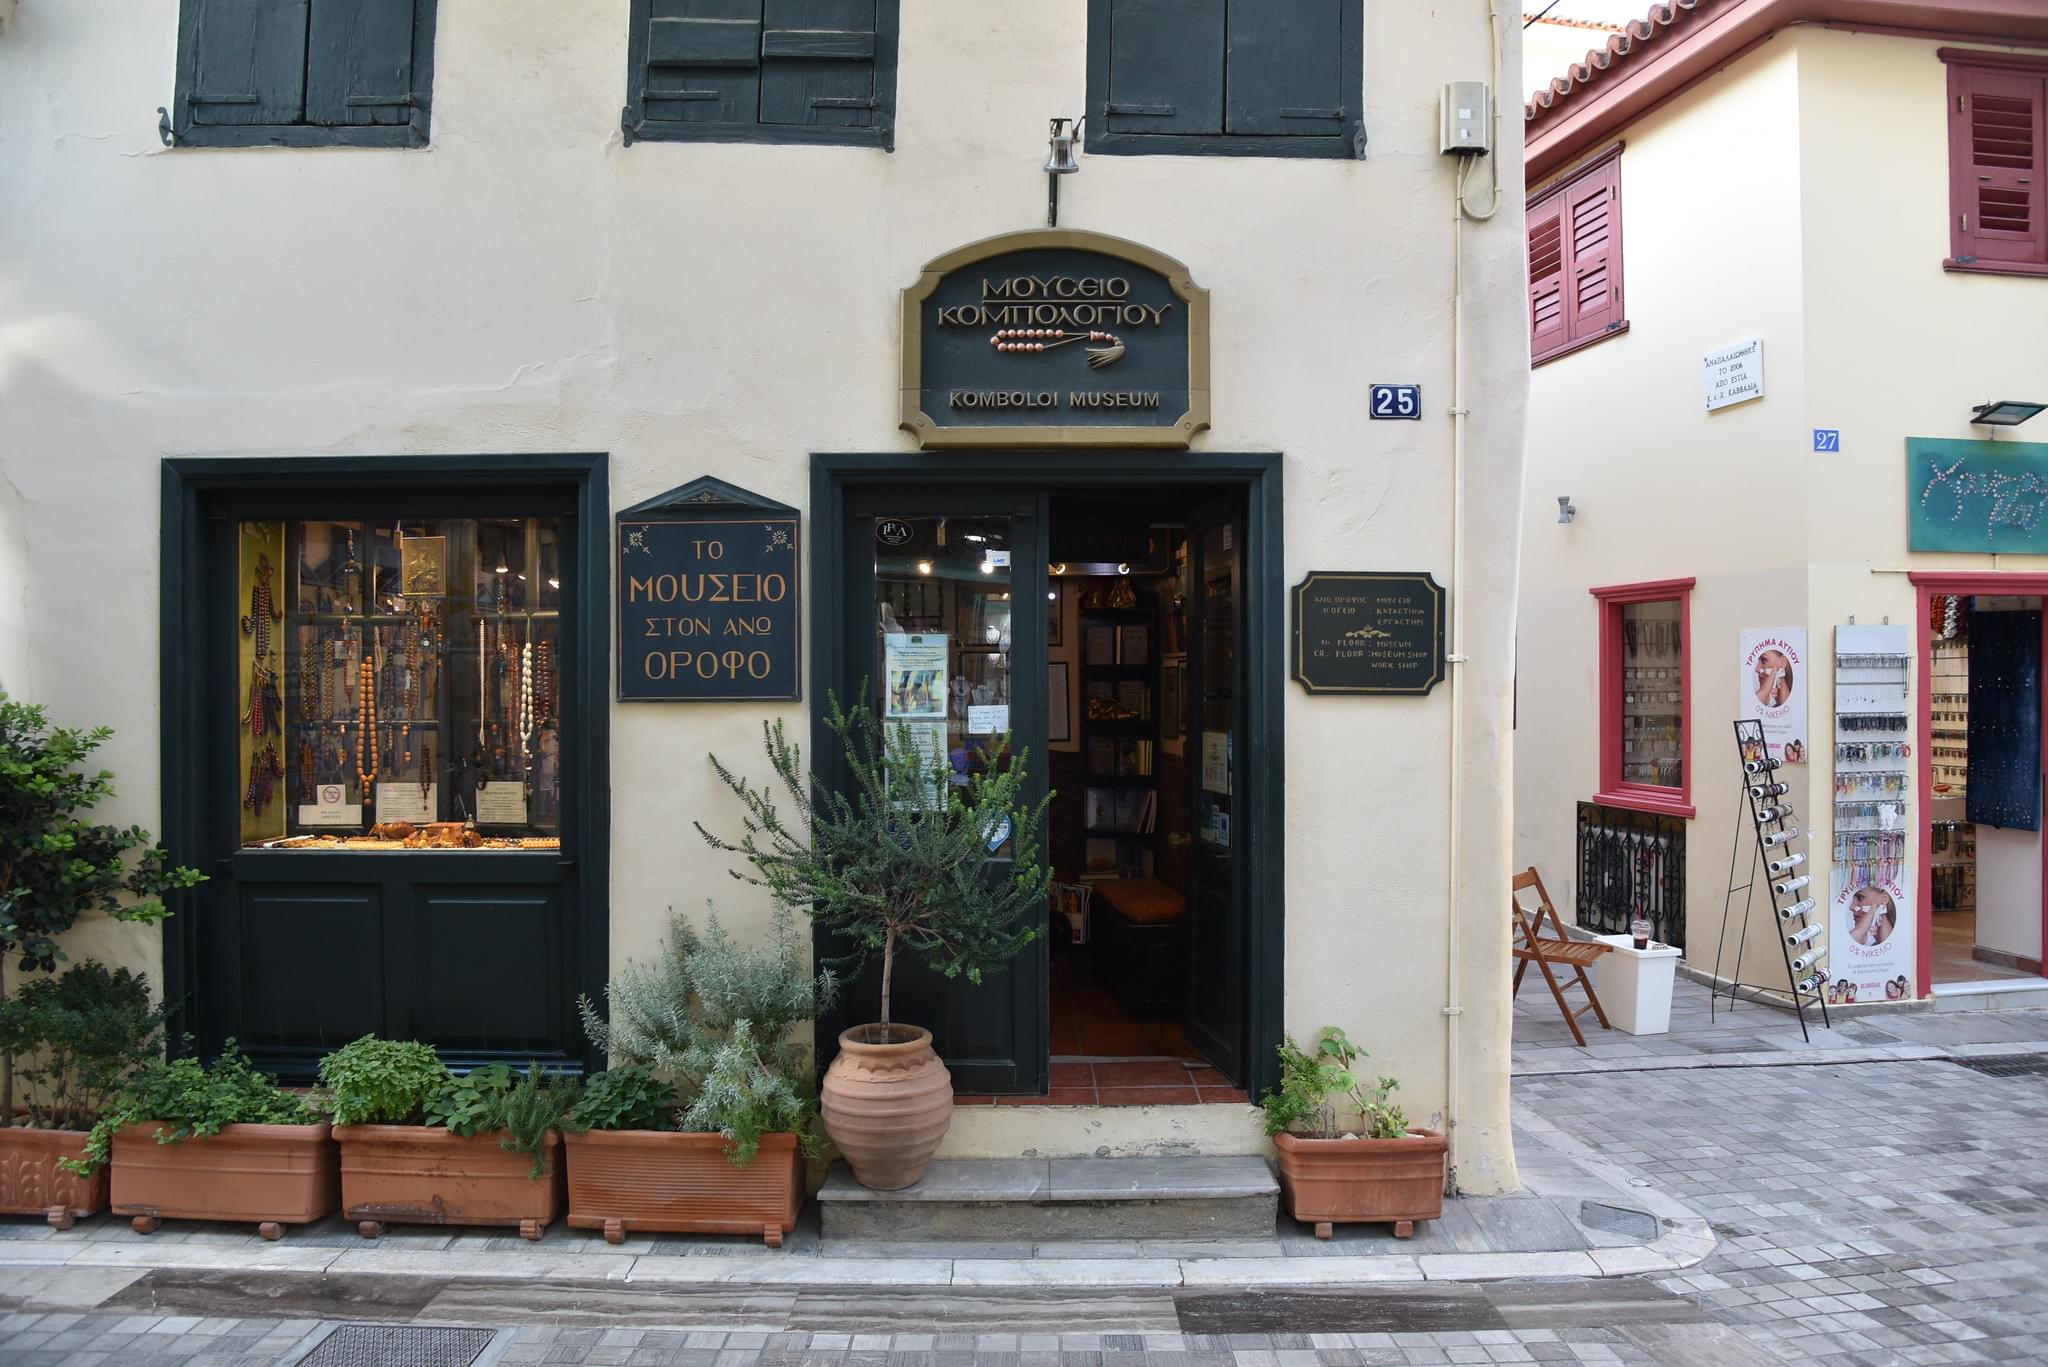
(1870,956)
(1772,689)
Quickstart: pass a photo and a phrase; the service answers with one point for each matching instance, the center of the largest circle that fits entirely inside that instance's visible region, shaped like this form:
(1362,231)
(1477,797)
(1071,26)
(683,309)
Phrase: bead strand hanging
(366,726)
(266,767)
(526,702)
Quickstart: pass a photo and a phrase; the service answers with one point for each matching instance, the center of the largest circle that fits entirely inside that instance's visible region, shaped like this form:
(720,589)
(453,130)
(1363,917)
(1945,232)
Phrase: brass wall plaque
(1368,632)
(1055,337)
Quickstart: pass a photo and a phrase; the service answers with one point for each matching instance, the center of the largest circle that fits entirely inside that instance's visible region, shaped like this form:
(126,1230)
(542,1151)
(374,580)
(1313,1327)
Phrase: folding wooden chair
(1532,946)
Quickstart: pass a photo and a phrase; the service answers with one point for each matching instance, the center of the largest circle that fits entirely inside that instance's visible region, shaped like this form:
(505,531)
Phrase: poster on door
(914,677)
(1772,689)
(1870,951)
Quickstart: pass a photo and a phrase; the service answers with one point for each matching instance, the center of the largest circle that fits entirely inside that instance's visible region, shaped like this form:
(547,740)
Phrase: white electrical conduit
(1455,659)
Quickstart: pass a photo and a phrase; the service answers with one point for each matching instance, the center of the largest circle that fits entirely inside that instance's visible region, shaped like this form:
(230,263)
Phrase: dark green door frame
(197,491)
(1258,473)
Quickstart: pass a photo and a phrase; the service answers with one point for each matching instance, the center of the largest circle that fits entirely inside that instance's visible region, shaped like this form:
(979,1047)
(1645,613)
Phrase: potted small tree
(193,1141)
(1349,1155)
(75,1039)
(421,1146)
(55,867)
(702,1123)
(905,860)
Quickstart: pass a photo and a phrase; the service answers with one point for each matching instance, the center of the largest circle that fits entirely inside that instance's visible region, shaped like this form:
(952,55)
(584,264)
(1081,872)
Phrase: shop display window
(400,684)
(1644,696)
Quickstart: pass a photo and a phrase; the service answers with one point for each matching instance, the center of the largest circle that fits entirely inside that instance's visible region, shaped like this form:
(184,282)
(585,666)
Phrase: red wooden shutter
(1547,331)
(1592,233)
(1996,135)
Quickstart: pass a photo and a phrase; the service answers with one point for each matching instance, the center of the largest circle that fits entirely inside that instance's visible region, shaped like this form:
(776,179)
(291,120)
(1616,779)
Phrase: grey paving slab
(960,1179)
(1164,1178)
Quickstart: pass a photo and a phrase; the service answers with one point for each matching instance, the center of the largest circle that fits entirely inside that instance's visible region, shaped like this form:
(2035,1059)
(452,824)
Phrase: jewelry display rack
(1796,917)
(1872,749)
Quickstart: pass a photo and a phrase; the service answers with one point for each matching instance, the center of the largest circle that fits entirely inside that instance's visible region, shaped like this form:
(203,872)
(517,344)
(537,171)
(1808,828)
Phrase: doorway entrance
(1984,896)
(1119,615)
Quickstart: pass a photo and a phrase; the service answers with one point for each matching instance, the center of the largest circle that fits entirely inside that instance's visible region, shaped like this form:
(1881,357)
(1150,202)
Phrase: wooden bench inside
(1141,945)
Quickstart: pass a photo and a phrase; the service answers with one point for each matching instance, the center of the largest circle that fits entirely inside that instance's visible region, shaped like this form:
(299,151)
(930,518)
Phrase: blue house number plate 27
(1396,401)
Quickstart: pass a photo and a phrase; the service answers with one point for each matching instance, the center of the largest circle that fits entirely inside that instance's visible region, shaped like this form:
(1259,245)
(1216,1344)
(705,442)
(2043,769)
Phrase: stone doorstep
(1064,1199)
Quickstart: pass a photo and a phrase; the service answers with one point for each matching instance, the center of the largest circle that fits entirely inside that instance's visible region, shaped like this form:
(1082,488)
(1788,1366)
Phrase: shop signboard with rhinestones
(1983,496)
(707,584)
(1055,337)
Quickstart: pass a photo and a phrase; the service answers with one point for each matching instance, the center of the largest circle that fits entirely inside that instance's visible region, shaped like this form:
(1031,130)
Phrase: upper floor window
(303,73)
(1239,77)
(811,71)
(1575,260)
(1997,130)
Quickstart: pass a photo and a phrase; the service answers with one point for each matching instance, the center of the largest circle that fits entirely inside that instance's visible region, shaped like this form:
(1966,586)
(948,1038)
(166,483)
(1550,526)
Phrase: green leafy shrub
(186,1098)
(626,1097)
(526,1106)
(718,1019)
(77,1038)
(743,1098)
(903,861)
(673,1015)
(1313,1084)
(54,866)
(383,1082)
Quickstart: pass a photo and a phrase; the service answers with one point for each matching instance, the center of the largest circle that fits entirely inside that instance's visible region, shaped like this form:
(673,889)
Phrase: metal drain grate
(2007,1065)
(398,1345)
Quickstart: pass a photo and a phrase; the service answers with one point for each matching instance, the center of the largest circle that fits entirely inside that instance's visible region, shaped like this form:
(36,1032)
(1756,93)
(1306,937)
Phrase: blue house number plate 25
(1397,401)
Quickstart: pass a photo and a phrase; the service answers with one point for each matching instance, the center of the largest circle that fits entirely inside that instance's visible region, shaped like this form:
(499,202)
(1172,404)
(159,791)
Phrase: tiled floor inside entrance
(1955,936)
(1125,1082)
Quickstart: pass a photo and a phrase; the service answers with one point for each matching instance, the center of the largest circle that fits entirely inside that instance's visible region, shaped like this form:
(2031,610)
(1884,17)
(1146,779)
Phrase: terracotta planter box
(31,1183)
(1363,1181)
(273,1175)
(423,1175)
(622,1180)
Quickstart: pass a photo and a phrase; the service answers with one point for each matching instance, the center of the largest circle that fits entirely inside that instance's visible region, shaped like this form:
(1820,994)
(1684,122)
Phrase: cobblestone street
(1870,1210)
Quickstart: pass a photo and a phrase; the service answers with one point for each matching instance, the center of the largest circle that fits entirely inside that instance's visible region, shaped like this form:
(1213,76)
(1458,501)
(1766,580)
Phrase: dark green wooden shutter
(703,61)
(818,63)
(359,62)
(1165,66)
(248,61)
(1286,67)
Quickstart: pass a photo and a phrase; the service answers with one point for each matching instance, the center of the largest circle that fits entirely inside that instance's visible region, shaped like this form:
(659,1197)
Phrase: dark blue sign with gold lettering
(1055,337)
(708,582)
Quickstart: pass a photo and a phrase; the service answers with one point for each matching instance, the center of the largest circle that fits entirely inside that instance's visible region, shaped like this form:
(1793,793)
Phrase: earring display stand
(1869,887)
(1796,920)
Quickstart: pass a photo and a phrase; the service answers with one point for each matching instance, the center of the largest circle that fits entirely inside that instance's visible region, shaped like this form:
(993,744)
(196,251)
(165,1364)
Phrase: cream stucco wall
(528,283)
(1804,186)
(1710,214)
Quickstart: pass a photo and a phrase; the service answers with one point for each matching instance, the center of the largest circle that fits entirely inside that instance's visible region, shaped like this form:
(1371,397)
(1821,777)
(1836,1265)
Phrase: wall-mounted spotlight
(1060,162)
(1566,509)
(2004,413)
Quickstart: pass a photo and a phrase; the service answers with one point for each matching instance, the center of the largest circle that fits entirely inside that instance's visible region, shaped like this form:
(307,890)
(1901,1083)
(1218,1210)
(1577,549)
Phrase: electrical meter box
(1467,119)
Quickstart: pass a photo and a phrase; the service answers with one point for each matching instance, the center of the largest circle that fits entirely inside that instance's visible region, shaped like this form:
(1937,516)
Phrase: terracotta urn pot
(274,1175)
(31,1183)
(887,1105)
(622,1180)
(1329,1182)
(423,1175)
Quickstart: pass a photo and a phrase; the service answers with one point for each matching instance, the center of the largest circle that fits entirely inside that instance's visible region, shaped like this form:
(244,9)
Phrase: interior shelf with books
(1120,735)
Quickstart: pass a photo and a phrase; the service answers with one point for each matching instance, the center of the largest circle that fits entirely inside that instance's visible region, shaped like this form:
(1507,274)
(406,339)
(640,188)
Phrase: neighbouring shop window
(800,71)
(399,683)
(1998,130)
(1644,695)
(1238,77)
(304,73)
(1575,284)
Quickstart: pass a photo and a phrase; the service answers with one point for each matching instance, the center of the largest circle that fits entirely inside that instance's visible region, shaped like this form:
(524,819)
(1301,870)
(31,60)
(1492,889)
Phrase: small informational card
(330,807)
(502,803)
(989,720)
(407,801)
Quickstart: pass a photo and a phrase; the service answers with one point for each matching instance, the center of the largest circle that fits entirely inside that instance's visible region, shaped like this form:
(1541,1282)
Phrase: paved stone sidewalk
(1712,1036)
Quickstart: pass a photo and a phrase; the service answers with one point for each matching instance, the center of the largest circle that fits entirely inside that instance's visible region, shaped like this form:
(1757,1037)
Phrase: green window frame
(817,72)
(302,73)
(1243,78)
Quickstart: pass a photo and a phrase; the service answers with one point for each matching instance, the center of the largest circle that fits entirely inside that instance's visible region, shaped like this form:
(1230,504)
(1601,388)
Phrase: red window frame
(1614,791)
(1981,171)
(1575,241)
